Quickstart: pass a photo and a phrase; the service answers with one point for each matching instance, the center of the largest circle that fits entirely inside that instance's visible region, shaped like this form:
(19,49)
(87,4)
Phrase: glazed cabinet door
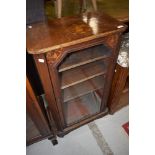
(36,124)
(80,80)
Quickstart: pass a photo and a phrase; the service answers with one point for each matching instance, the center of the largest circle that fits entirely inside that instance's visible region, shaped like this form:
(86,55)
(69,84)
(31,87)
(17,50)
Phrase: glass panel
(85,56)
(83,73)
(82,76)
(82,88)
(82,107)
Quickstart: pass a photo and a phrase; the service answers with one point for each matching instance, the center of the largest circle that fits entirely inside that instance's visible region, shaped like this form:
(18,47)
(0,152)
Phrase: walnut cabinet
(75,58)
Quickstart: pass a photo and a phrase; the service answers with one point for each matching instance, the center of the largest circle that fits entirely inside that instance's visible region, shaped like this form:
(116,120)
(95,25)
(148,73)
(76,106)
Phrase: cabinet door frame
(54,58)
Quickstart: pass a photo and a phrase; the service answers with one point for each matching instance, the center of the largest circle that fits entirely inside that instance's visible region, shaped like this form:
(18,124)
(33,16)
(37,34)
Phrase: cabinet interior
(82,77)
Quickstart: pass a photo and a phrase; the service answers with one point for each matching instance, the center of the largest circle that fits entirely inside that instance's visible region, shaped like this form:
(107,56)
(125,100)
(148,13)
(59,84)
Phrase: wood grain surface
(58,33)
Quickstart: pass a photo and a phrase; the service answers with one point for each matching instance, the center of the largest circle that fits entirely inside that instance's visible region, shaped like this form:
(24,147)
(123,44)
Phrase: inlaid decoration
(53,55)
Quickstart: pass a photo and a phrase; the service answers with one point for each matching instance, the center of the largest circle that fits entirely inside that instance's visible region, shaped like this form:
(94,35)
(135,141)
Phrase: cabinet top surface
(59,33)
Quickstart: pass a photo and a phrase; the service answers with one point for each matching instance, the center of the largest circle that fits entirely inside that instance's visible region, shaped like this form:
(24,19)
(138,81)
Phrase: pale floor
(82,142)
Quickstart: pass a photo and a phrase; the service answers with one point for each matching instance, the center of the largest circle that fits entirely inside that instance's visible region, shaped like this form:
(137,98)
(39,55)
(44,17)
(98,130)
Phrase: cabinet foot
(53,140)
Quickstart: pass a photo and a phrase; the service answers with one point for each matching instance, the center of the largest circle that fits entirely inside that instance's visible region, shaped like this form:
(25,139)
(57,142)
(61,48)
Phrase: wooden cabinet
(75,58)
(119,94)
(37,123)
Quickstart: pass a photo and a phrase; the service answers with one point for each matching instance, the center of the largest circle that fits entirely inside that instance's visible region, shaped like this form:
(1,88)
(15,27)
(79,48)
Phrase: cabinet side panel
(118,84)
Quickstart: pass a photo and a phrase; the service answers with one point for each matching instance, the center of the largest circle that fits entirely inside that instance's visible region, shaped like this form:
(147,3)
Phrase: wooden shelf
(82,107)
(85,56)
(83,73)
(83,88)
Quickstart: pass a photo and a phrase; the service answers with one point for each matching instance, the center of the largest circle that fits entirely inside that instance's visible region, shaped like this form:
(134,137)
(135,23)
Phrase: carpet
(126,127)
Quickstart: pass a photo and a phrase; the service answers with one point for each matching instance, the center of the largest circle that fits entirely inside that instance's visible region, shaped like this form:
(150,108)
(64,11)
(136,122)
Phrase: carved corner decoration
(54,56)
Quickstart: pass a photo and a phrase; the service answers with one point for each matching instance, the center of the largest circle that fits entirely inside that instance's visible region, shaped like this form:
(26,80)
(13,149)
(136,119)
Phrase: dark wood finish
(37,127)
(52,42)
(48,88)
(119,94)
(111,41)
(67,31)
